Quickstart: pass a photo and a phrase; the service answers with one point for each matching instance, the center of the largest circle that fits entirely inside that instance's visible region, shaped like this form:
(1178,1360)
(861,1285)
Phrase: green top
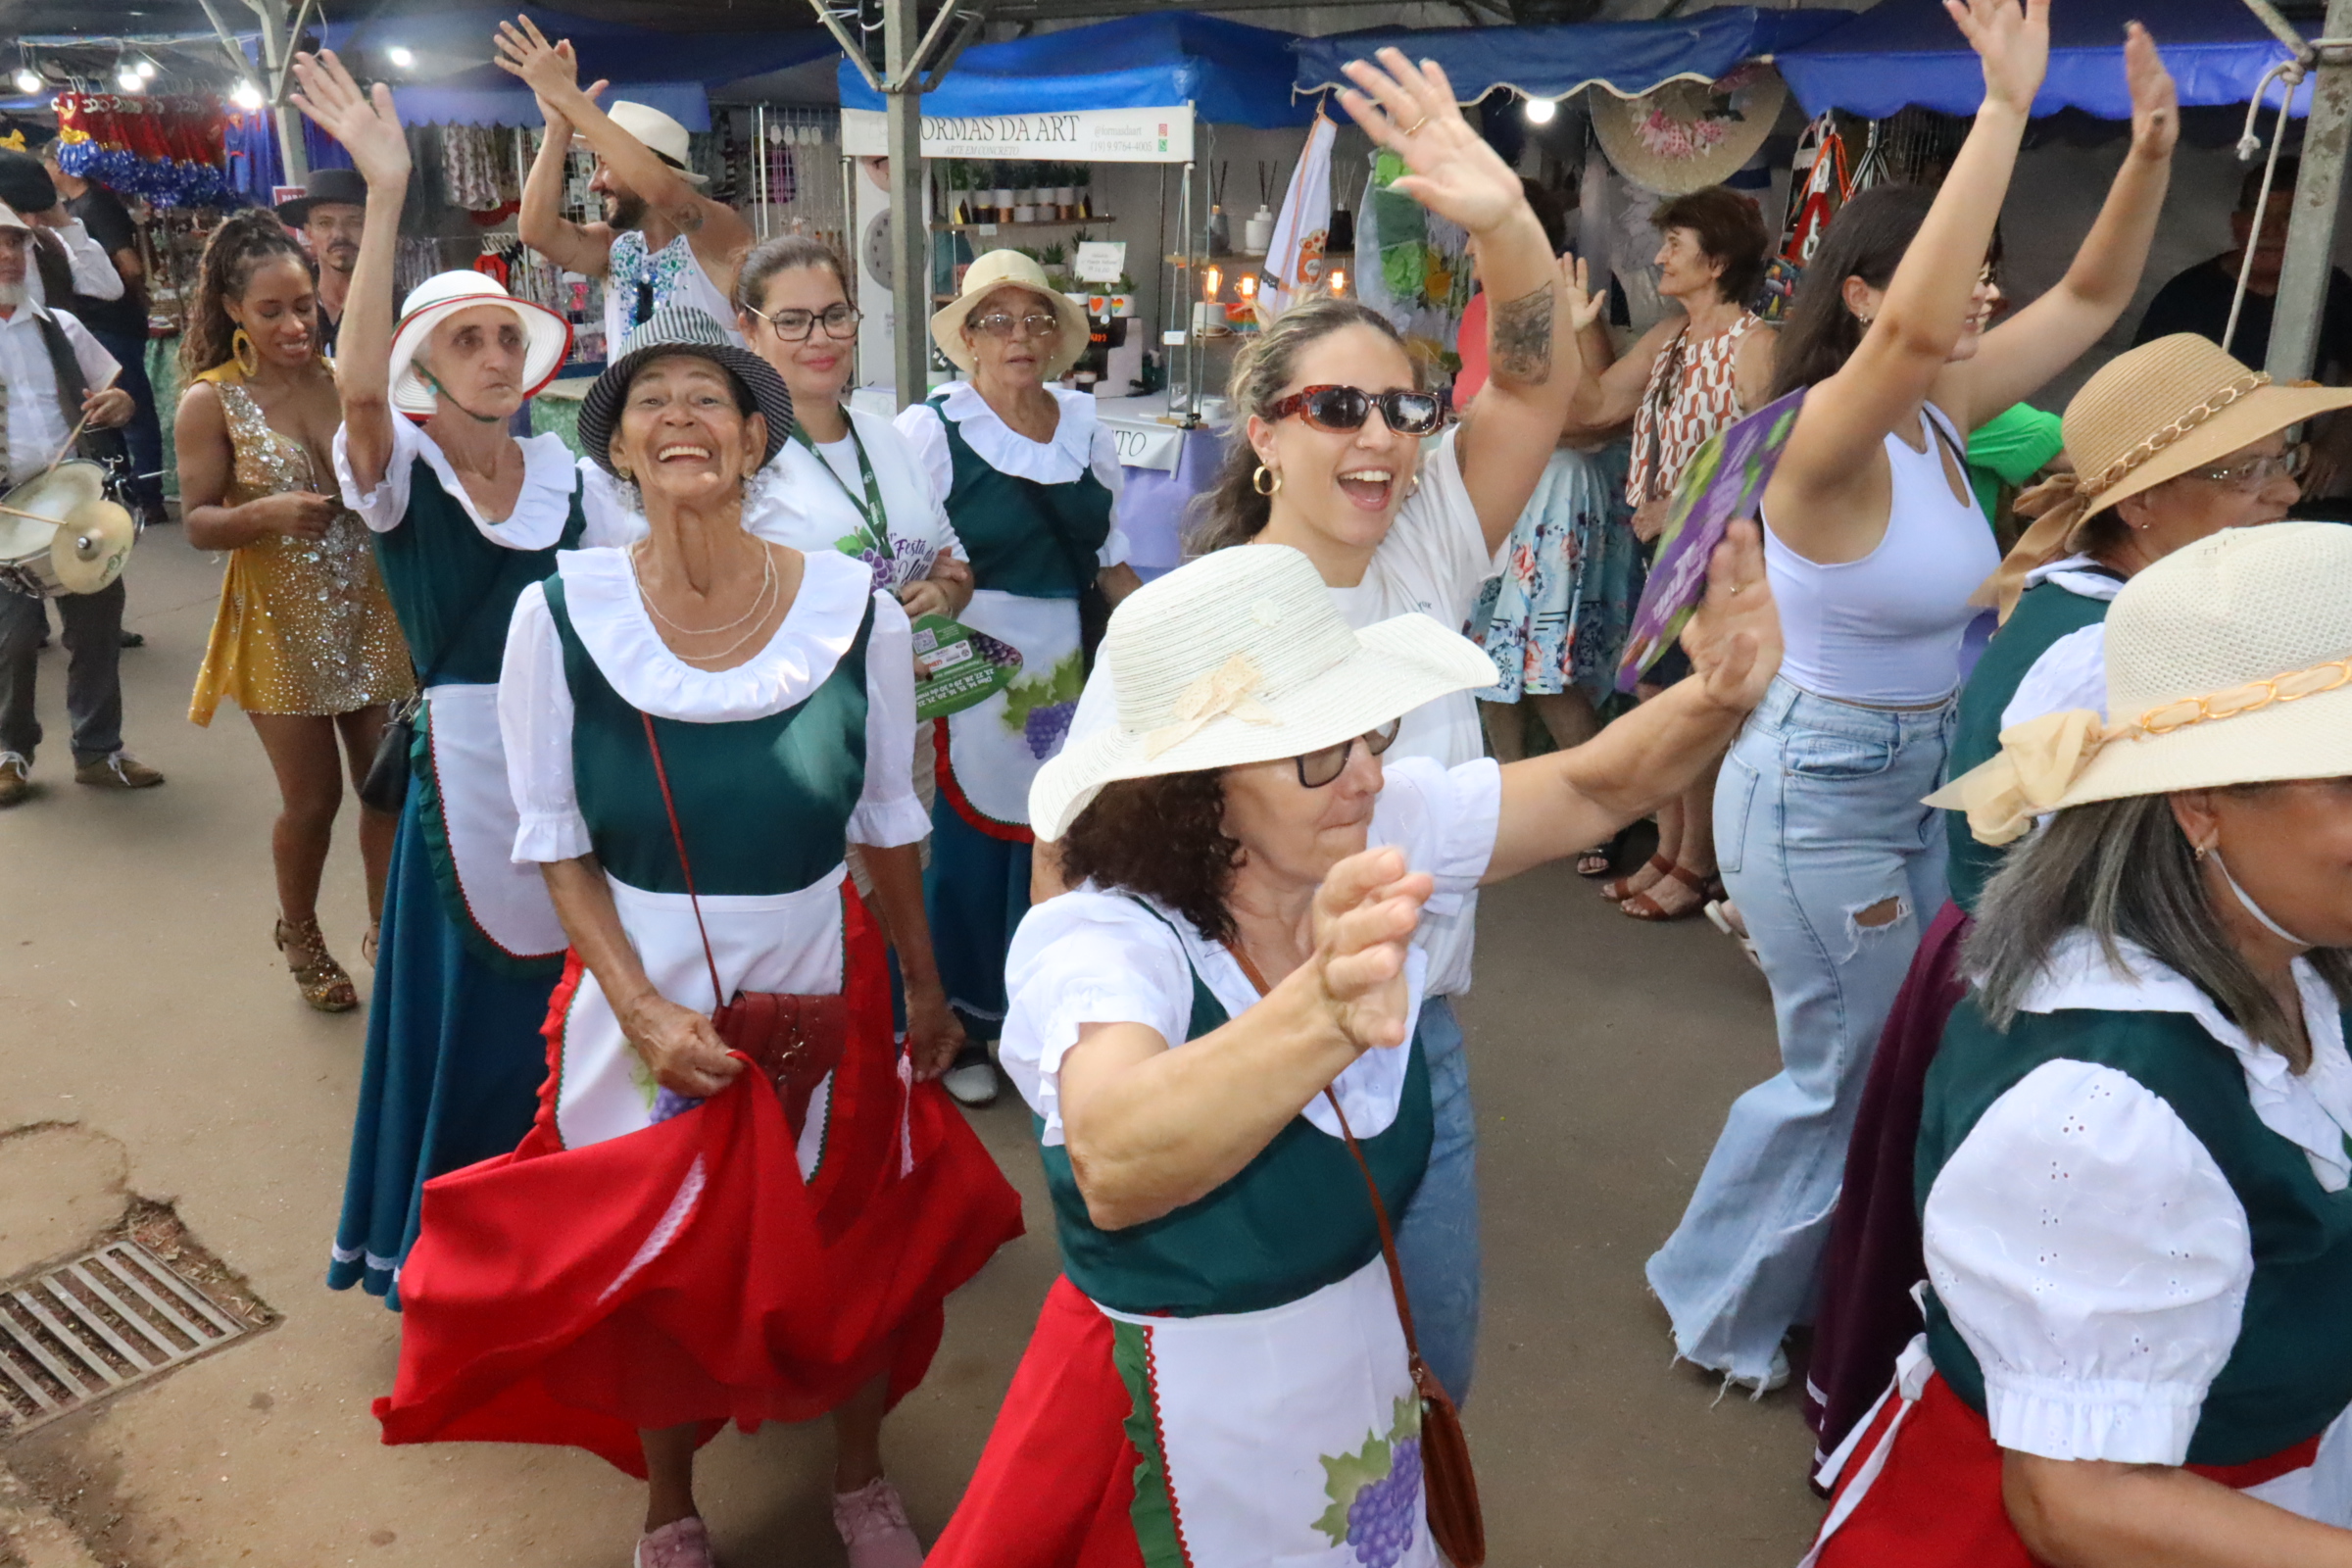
(2289,1374)
(1295,1218)
(763,803)
(2009,449)
(454,589)
(2046,613)
(1025,537)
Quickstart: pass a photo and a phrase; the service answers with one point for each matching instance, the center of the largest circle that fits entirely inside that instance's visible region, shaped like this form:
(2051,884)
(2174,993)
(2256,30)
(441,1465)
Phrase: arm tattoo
(689,217)
(1521,332)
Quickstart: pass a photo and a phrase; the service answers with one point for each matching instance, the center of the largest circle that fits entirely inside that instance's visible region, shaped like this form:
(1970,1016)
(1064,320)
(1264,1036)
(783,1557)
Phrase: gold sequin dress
(303,625)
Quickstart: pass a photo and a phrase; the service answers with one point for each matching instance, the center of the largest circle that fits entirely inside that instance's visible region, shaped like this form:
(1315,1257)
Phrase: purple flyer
(1725,482)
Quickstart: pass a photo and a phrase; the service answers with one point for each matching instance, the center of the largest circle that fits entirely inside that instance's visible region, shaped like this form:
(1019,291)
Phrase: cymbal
(91,546)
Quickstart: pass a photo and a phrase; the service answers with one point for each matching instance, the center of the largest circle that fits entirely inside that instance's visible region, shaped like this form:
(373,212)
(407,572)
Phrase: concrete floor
(143,1004)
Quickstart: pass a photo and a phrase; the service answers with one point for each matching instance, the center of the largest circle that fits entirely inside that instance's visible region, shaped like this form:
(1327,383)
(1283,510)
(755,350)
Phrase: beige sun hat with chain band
(2150,415)
(2228,662)
(996,270)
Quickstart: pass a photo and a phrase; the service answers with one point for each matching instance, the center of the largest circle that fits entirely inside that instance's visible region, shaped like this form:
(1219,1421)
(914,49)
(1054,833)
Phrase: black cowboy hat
(343,186)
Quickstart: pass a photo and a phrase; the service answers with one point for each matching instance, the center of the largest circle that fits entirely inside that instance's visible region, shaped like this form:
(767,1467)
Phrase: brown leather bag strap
(678,836)
(1380,1211)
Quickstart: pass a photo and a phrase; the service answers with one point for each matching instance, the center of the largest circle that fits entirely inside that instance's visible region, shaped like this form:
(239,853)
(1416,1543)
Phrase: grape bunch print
(1376,1491)
(1041,707)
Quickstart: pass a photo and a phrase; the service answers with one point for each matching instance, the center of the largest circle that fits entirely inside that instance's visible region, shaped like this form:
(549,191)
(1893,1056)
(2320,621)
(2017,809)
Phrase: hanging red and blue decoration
(169,150)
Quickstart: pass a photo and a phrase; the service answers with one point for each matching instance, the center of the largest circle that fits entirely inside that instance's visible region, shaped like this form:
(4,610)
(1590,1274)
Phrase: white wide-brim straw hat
(994,271)
(547,336)
(662,137)
(1241,658)
(2228,662)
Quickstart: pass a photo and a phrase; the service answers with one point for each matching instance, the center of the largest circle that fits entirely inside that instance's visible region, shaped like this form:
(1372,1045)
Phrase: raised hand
(2012,41)
(365,122)
(1365,913)
(1584,306)
(1409,110)
(1734,640)
(549,70)
(2155,103)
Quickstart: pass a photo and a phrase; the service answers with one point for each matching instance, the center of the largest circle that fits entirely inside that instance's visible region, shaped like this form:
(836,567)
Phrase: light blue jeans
(1437,1241)
(1837,868)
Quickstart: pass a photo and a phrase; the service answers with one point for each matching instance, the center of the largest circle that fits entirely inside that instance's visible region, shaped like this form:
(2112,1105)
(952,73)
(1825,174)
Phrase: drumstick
(67,450)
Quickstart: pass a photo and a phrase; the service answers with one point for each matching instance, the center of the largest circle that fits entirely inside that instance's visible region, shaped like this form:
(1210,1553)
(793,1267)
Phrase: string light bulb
(1539,111)
(1337,279)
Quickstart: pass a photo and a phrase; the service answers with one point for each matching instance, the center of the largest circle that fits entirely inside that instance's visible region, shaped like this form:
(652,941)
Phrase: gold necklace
(760,603)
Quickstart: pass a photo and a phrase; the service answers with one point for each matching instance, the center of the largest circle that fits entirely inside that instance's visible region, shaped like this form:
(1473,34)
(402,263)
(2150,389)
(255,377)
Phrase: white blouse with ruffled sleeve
(1081,444)
(2087,1246)
(1097,957)
(535,522)
(601,597)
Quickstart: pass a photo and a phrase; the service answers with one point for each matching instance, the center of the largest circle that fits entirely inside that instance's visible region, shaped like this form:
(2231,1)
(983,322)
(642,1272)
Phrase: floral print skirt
(1572,573)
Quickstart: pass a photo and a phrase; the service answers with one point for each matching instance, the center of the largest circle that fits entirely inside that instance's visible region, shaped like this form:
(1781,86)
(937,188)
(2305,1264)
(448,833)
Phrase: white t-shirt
(1433,563)
(38,420)
(1091,956)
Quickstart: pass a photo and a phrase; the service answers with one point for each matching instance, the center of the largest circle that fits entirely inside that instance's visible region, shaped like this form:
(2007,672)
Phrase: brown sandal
(1621,888)
(1642,907)
(322,982)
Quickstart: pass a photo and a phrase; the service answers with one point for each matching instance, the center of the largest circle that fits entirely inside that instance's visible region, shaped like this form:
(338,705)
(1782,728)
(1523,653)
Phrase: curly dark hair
(1161,837)
(240,245)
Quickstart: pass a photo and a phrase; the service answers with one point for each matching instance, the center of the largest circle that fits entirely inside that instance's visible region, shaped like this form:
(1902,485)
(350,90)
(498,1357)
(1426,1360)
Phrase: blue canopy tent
(1628,58)
(1907,52)
(1232,74)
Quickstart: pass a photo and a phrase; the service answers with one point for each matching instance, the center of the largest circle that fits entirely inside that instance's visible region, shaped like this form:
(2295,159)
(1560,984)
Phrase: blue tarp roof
(1232,74)
(1552,61)
(1907,52)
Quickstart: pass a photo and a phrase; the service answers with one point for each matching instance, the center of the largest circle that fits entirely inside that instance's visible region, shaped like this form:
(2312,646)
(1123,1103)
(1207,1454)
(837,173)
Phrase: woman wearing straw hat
(1877,552)
(2170,443)
(1226,1002)
(696,727)
(1032,483)
(304,640)
(462,515)
(2135,1154)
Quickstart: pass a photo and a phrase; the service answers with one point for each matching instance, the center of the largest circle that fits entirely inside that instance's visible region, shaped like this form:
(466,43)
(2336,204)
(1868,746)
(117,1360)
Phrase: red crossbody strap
(678,836)
(1380,1211)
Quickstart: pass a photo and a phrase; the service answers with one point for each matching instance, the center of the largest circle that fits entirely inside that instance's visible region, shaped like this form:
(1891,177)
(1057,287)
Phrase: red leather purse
(795,1038)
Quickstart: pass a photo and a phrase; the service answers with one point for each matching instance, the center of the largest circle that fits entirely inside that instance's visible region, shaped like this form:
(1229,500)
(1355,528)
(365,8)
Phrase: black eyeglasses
(1318,768)
(1343,409)
(796,326)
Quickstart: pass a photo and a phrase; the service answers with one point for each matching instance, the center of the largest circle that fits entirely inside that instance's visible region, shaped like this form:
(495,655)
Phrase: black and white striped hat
(681,329)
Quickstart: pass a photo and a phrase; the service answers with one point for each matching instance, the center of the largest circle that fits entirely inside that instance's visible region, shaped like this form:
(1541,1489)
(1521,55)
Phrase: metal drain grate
(97,1325)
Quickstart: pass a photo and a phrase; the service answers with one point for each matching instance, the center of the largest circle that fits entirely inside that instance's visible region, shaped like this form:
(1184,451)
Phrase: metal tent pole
(277,49)
(909,236)
(2304,272)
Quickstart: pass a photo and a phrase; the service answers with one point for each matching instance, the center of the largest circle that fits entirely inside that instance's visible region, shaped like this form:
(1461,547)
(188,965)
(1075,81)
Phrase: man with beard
(661,241)
(329,215)
(52,373)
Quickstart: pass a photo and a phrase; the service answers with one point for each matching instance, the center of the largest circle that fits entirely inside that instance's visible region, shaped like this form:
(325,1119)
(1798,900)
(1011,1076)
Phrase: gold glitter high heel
(317,975)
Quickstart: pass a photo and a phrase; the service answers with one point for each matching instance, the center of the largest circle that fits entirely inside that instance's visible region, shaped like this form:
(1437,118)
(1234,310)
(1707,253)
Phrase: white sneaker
(872,1524)
(972,1083)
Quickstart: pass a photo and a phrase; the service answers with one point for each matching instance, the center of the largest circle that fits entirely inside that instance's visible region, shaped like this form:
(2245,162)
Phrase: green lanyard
(877,522)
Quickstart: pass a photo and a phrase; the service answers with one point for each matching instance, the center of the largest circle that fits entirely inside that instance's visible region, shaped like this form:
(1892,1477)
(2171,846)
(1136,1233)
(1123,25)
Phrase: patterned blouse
(1691,396)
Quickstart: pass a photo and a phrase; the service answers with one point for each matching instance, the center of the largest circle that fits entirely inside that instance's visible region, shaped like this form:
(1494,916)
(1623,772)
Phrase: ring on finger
(1407,130)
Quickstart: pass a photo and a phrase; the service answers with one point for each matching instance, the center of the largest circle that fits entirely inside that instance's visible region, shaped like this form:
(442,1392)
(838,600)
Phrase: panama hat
(662,137)
(2149,416)
(2228,662)
(681,329)
(1242,657)
(10,219)
(547,336)
(346,188)
(994,271)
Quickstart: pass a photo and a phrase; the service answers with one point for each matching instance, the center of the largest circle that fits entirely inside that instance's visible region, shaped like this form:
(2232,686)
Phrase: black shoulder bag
(1094,605)
(385,789)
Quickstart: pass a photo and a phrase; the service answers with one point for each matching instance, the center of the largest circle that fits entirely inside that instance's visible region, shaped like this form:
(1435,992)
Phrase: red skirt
(1057,1482)
(685,1273)
(1936,1503)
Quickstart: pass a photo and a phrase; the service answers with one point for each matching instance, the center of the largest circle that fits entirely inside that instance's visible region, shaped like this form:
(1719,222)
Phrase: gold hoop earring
(1259,481)
(241,349)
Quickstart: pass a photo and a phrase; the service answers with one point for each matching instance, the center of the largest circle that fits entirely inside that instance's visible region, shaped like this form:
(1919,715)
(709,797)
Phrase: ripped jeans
(1837,868)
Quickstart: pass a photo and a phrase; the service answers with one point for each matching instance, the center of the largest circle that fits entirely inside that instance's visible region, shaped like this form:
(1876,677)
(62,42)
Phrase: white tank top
(674,276)
(1887,629)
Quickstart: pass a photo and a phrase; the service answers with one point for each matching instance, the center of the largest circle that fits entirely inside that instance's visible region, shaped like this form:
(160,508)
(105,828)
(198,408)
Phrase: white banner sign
(1147,444)
(1082,135)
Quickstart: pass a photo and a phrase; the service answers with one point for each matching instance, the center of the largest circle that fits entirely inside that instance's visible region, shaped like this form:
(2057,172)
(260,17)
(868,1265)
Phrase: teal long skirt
(455,1061)
(975,891)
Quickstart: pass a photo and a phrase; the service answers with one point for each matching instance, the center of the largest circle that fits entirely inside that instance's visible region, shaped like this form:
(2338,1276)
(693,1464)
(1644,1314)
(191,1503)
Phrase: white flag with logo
(1294,259)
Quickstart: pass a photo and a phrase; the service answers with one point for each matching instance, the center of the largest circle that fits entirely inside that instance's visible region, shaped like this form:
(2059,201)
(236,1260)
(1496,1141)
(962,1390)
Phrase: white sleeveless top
(1887,629)
(677,278)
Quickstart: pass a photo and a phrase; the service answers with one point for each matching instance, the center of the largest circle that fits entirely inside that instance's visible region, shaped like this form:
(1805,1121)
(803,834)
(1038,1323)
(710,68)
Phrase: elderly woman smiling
(697,726)
(1227,1000)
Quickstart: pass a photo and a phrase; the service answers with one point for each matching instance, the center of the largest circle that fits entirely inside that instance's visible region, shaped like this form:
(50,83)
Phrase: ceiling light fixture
(27,80)
(146,70)
(401,56)
(130,80)
(247,97)
(1539,111)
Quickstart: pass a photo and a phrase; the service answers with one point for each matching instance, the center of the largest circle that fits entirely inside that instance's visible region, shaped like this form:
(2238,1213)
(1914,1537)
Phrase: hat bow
(1222,693)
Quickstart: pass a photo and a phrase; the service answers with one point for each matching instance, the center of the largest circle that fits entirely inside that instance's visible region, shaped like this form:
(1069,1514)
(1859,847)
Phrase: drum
(59,534)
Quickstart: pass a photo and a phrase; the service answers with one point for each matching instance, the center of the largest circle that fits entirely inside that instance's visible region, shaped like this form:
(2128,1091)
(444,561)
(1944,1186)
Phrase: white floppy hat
(548,336)
(1242,657)
(662,137)
(2228,662)
(994,271)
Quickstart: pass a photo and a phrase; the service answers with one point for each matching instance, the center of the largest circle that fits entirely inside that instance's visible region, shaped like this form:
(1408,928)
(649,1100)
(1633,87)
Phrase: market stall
(1107,133)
